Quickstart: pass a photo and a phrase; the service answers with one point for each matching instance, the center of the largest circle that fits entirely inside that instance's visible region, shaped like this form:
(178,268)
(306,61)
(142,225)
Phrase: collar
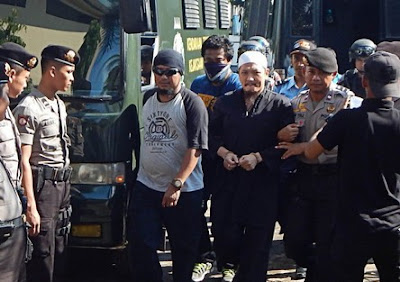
(376,103)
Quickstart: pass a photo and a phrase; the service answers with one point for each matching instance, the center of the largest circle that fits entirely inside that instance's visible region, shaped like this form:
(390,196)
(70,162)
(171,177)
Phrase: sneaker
(200,271)
(228,274)
(300,272)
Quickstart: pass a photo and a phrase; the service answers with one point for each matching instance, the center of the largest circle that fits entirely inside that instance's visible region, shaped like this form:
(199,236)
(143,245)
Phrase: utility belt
(317,169)
(7,227)
(50,173)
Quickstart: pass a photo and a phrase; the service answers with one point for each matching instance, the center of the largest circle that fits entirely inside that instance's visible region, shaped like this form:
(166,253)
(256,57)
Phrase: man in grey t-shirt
(170,179)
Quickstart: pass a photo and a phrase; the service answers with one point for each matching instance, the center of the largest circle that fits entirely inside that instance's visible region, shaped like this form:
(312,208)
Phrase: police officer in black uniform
(41,120)
(13,237)
(359,51)
(394,48)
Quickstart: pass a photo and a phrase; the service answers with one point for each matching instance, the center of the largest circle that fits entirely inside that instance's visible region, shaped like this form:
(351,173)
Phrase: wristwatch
(177,183)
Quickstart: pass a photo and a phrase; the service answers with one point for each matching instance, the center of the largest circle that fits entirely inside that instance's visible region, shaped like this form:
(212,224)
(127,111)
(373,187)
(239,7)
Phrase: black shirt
(369,165)
(243,132)
(352,80)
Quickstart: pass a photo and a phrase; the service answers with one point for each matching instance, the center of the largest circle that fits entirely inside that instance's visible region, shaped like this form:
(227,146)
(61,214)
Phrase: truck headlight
(93,173)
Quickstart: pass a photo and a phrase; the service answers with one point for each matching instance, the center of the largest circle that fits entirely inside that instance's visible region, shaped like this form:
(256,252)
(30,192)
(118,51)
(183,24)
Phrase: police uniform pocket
(42,242)
(50,130)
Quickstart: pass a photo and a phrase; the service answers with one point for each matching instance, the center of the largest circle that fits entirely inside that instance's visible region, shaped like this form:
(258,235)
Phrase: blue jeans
(146,218)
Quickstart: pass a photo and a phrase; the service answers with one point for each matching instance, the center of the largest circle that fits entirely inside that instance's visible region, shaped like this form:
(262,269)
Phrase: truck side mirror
(135,15)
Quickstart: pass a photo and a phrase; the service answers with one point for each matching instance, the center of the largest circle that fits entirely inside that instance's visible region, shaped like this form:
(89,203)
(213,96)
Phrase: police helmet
(361,48)
(263,42)
(251,45)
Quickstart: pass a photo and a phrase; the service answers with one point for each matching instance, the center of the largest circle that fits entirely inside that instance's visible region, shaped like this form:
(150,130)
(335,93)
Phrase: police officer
(359,51)
(41,120)
(13,237)
(292,86)
(313,199)
(21,63)
(394,48)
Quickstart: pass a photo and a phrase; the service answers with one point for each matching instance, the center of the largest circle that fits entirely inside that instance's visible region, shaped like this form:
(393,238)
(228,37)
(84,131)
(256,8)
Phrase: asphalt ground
(280,267)
(111,266)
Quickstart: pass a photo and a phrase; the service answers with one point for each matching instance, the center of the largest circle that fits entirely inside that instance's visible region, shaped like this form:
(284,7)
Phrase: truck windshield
(99,72)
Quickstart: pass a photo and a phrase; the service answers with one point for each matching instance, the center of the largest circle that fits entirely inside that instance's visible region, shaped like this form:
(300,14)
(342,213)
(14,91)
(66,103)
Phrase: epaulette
(342,88)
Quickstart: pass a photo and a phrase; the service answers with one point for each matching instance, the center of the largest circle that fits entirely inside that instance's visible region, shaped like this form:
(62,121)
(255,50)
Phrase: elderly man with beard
(243,130)
(170,180)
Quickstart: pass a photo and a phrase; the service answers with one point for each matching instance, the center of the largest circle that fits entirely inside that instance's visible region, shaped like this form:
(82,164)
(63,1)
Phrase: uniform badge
(70,56)
(23,120)
(302,107)
(330,108)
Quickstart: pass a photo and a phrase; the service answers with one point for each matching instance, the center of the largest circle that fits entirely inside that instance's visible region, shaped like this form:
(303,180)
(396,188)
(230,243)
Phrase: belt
(7,228)
(55,174)
(17,222)
(317,169)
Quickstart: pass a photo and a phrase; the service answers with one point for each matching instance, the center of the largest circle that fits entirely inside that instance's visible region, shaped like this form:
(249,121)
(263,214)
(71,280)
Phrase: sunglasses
(167,72)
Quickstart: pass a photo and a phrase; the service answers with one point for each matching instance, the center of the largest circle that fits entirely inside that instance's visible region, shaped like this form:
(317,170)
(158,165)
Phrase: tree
(9,27)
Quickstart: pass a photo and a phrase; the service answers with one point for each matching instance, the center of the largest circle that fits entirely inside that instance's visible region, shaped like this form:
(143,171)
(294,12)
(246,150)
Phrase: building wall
(44,29)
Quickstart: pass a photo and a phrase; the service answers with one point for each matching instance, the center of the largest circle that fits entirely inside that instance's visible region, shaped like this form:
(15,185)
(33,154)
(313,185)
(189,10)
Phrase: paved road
(102,266)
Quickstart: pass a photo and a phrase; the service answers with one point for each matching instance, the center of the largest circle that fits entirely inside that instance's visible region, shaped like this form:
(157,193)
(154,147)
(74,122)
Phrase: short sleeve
(26,124)
(333,131)
(196,122)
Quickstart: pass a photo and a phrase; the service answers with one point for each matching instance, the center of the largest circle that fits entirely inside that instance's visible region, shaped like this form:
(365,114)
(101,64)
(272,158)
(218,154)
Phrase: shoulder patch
(23,120)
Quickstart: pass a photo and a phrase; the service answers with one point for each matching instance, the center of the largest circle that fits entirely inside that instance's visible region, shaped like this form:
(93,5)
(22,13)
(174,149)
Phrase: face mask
(216,72)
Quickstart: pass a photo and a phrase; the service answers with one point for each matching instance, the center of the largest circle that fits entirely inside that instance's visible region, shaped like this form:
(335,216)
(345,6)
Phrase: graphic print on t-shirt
(160,131)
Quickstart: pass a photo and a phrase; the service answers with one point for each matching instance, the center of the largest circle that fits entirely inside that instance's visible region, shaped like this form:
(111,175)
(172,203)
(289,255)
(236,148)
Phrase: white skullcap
(254,57)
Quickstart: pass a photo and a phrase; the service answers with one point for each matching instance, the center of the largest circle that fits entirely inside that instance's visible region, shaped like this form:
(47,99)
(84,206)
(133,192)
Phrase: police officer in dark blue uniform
(359,51)
(292,86)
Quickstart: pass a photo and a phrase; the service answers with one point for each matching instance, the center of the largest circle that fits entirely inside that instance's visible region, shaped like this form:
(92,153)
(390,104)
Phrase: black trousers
(351,251)
(146,217)
(310,221)
(239,245)
(12,257)
(49,254)
(205,252)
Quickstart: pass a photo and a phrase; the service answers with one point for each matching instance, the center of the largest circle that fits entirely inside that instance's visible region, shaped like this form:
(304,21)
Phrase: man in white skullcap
(243,134)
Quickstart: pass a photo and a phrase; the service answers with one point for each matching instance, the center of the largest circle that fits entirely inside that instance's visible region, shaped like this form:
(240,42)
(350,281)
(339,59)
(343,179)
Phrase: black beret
(4,72)
(13,53)
(61,54)
(323,59)
(389,46)
(170,58)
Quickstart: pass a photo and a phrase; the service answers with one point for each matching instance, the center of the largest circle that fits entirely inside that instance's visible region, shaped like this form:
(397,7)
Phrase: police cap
(61,54)
(13,53)
(323,59)
(390,46)
(302,46)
